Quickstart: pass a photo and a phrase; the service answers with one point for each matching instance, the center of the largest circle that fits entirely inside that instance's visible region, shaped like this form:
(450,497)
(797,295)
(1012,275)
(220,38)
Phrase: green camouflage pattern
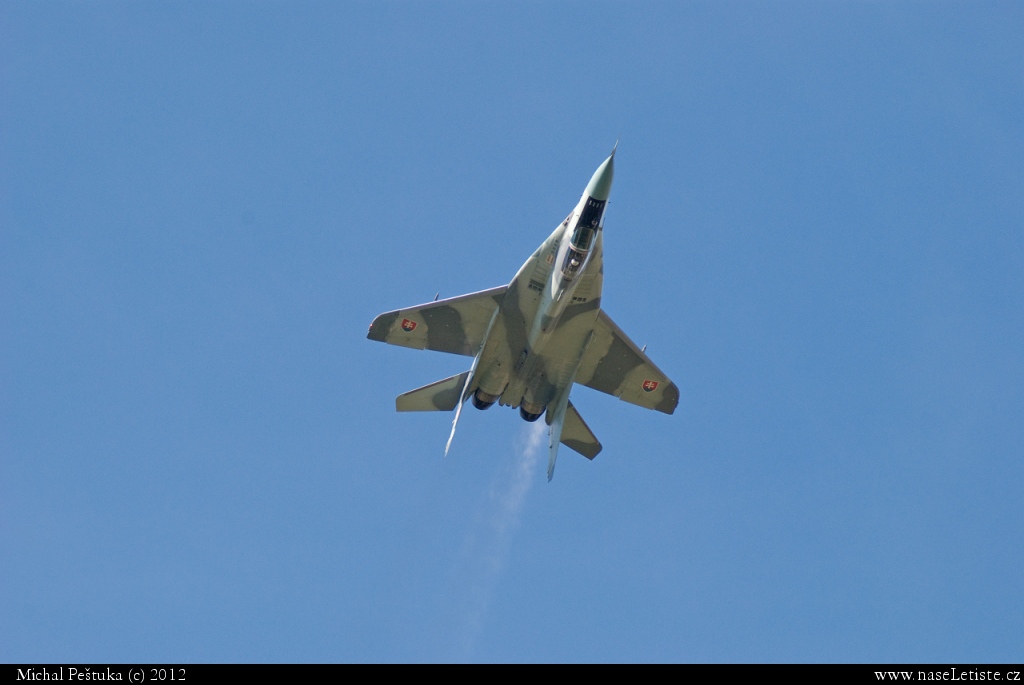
(534,338)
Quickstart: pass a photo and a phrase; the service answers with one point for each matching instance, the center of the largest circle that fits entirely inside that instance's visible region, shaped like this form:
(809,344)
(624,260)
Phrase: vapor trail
(485,551)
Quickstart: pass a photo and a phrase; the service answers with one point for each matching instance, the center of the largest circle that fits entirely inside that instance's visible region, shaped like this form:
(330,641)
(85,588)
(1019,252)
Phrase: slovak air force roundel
(650,386)
(410,326)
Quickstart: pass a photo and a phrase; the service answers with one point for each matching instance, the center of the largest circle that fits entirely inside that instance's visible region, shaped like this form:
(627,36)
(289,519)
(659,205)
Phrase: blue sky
(817,227)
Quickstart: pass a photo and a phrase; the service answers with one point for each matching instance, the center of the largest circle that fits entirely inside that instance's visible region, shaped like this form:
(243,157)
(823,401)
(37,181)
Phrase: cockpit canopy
(586,227)
(583,236)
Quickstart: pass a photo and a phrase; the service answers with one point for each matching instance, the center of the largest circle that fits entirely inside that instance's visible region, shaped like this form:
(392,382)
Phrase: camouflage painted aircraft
(532,339)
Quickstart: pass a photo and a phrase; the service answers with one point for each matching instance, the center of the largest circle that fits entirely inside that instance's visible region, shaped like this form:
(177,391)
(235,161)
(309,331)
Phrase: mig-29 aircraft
(532,339)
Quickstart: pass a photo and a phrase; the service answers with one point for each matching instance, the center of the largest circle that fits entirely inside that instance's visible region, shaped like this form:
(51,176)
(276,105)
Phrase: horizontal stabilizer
(440,396)
(576,434)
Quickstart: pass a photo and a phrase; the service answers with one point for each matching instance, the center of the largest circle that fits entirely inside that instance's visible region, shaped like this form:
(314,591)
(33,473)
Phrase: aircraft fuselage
(541,327)
(534,338)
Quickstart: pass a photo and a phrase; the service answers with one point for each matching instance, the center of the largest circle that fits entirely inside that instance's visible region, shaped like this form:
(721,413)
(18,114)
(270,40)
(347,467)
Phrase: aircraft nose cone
(600,186)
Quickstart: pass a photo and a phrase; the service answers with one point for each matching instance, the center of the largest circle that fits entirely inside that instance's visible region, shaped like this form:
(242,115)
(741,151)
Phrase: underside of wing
(615,365)
(456,325)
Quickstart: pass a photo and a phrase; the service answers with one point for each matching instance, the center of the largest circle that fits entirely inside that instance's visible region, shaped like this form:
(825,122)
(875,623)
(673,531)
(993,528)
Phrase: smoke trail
(485,551)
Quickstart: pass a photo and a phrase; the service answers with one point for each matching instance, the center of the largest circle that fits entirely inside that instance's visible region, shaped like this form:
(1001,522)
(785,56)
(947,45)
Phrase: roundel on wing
(410,326)
(650,386)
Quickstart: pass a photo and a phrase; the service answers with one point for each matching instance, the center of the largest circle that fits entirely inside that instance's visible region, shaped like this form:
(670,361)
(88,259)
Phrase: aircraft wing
(456,325)
(615,365)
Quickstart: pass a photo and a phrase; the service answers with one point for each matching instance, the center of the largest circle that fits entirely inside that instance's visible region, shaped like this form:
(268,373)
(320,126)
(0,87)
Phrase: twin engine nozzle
(482,400)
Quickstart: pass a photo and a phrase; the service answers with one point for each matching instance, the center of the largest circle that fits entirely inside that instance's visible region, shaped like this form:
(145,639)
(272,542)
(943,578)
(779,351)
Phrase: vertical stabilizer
(458,407)
(555,432)
(470,378)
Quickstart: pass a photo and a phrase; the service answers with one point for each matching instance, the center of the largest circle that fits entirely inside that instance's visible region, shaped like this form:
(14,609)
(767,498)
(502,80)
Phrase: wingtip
(381,326)
(669,399)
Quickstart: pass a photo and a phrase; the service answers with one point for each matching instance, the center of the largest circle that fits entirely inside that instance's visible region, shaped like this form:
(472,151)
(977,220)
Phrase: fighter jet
(532,339)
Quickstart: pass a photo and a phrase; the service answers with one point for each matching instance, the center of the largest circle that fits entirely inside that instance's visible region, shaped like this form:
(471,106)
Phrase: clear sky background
(817,227)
